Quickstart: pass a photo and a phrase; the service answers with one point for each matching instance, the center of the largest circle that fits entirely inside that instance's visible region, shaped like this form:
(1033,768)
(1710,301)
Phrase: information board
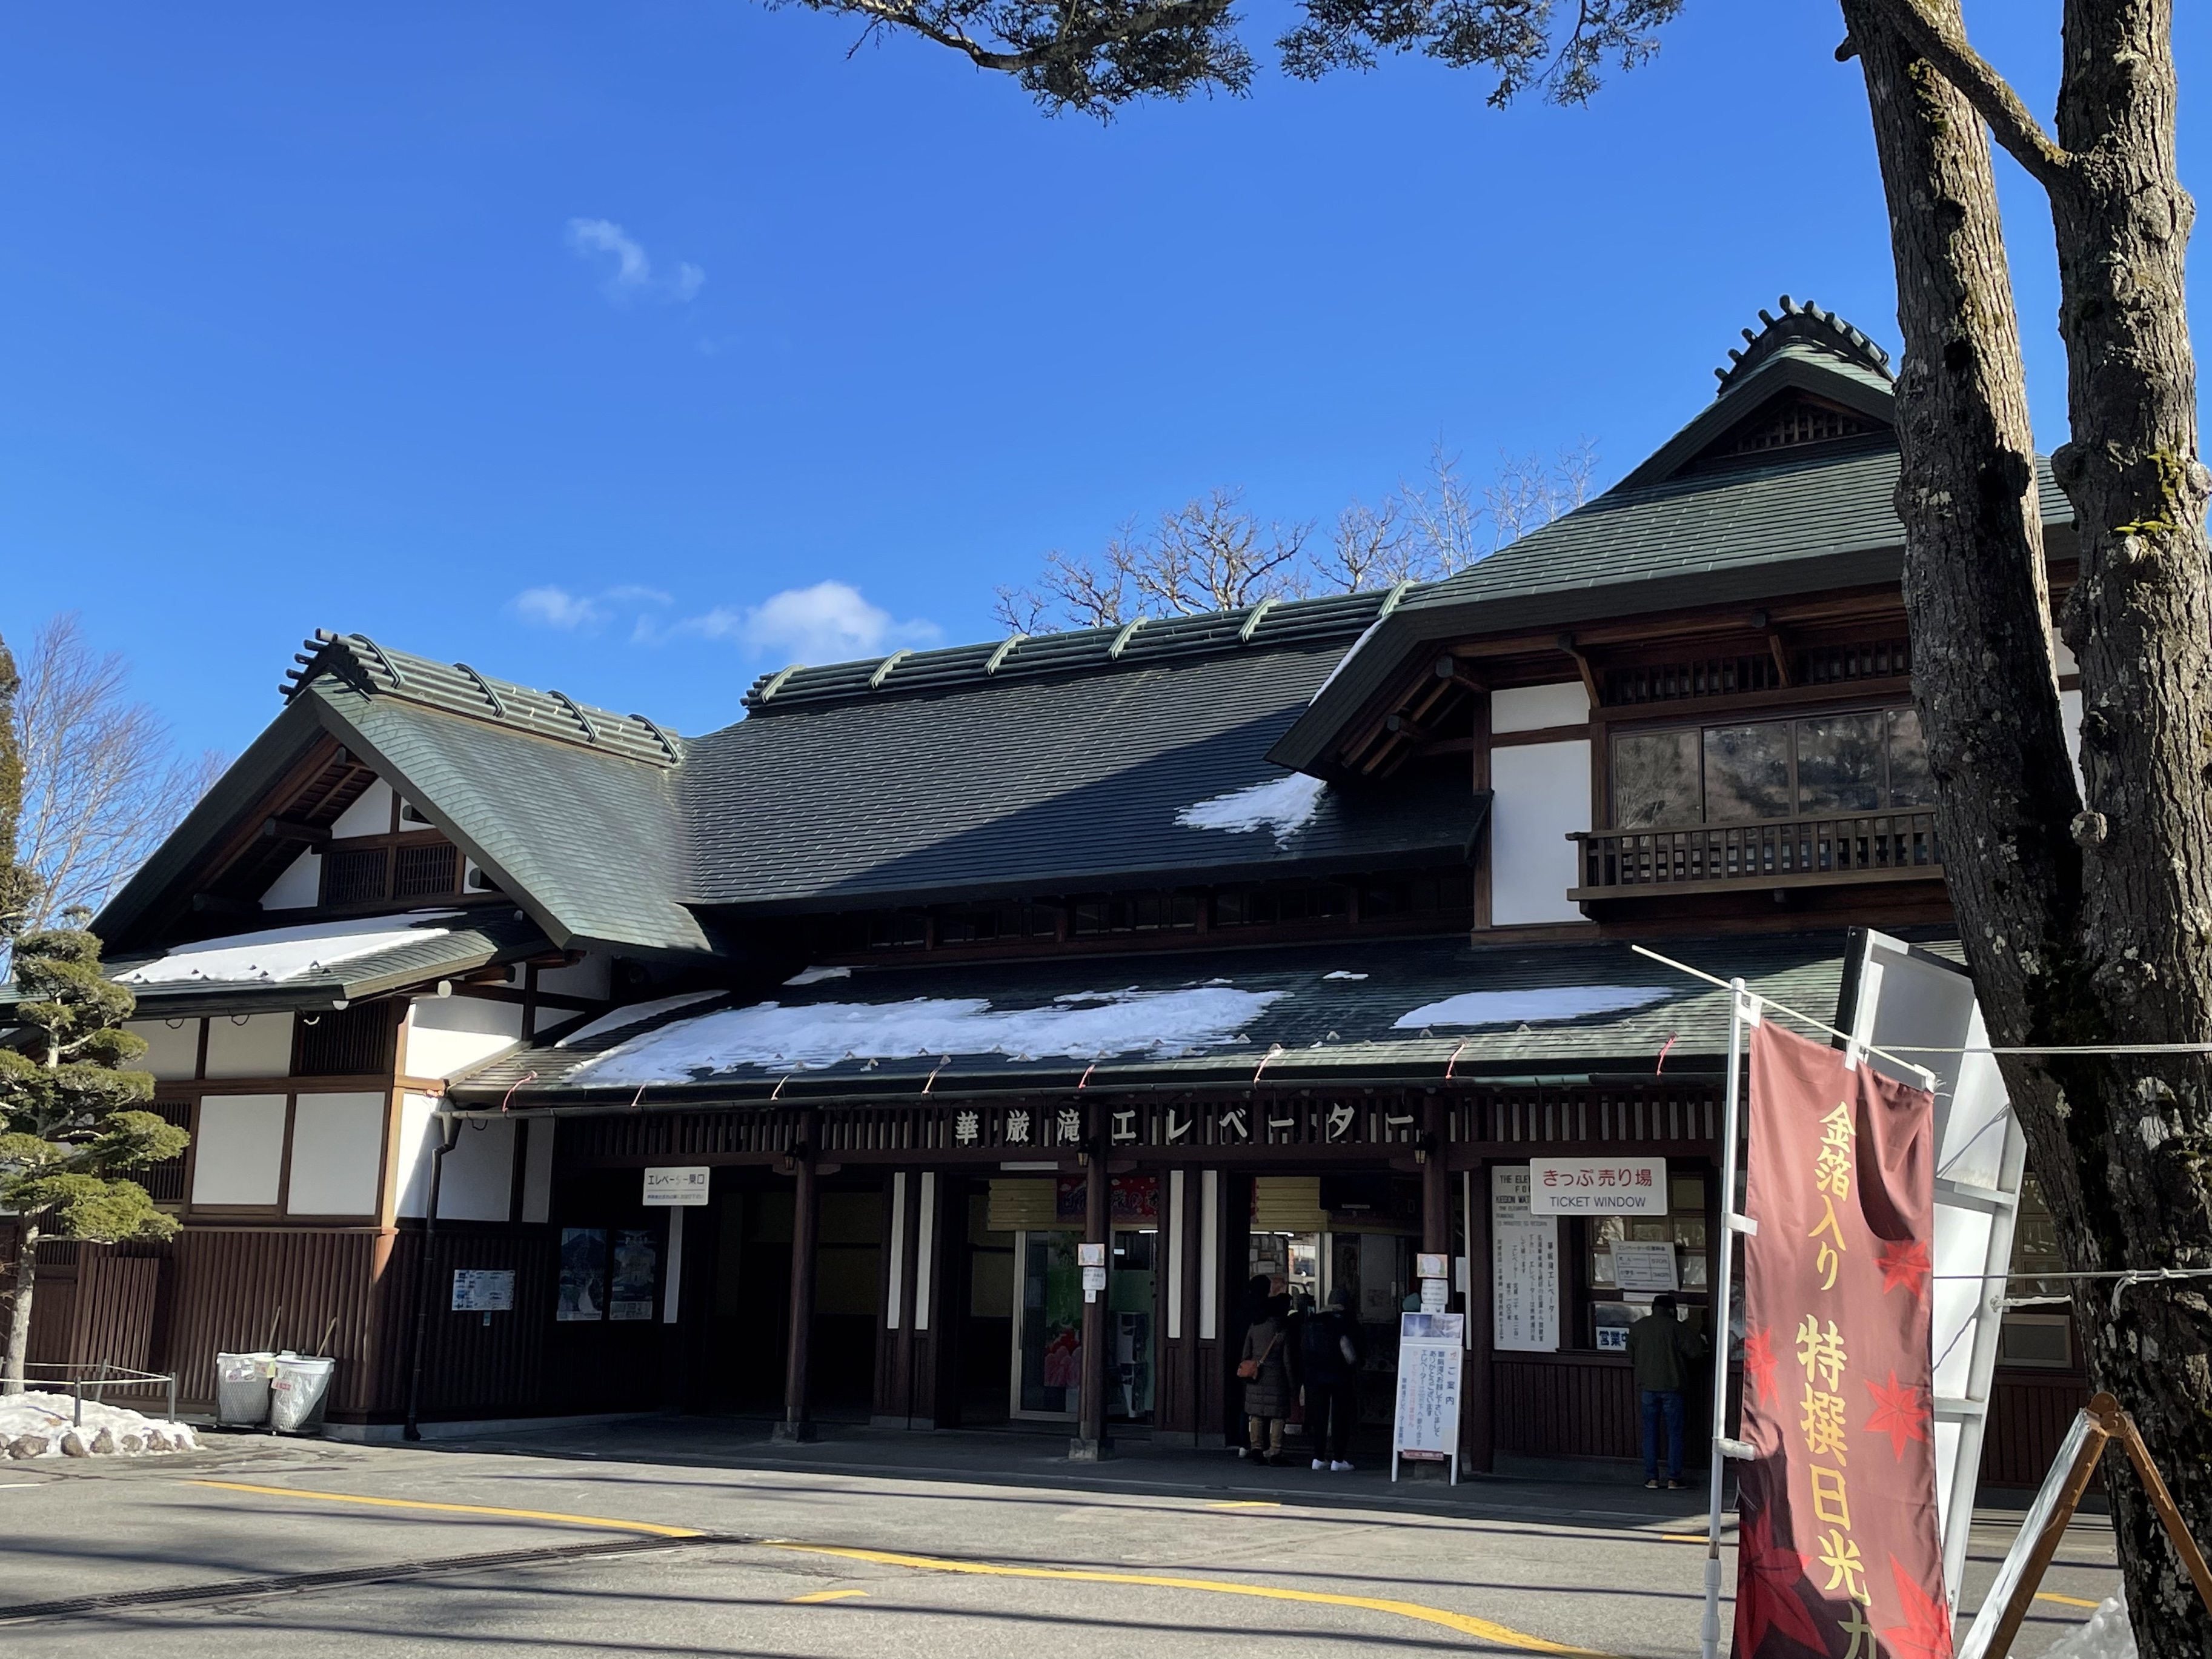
(1524,1254)
(686,1187)
(1426,1425)
(1640,1264)
(484,1289)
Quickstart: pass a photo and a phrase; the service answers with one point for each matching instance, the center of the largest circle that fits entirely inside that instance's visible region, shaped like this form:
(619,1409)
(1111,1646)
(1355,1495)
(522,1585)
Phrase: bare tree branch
(1942,42)
(101,782)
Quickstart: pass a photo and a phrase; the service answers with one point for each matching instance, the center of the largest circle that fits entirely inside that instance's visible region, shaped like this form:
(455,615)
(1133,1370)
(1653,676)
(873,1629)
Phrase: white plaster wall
(1540,791)
(588,978)
(173,1047)
(237,1149)
(538,1168)
(299,887)
(1537,708)
(479,1184)
(410,1156)
(406,823)
(336,1143)
(449,1034)
(249,1045)
(369,816)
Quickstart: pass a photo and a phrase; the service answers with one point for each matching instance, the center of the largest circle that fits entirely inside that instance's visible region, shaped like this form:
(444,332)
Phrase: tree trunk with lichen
(19,1307)
(2083,926)
(2139,621)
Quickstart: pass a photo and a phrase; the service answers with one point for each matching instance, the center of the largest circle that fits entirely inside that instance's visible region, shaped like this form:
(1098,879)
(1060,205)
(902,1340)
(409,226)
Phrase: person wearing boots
(1264,1366)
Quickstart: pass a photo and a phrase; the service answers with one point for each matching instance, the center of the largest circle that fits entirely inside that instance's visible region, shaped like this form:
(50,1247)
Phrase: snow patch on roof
(1343,973)
(1549,1002)
(635,1013)
(1085,1025)
(816,975)
(277,954)
(1284,805)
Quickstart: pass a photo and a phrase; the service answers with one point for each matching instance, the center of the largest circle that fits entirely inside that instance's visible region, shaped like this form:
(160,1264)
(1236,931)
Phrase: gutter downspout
(449,1132)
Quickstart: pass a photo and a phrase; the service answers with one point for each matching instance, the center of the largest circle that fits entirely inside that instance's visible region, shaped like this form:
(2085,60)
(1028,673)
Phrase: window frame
(1788,717)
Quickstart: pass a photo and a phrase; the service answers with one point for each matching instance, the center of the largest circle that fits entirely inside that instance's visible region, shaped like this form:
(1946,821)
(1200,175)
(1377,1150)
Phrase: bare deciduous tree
(102,782)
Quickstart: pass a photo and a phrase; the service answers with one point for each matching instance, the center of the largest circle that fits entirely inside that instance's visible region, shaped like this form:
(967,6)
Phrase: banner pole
(1722,1299)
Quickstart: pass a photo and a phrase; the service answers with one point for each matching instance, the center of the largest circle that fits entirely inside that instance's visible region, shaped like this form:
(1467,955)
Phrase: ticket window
(1613,1307)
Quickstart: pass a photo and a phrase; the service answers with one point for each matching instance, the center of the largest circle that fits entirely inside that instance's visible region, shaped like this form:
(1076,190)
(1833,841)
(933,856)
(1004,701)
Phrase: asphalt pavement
(698,1537)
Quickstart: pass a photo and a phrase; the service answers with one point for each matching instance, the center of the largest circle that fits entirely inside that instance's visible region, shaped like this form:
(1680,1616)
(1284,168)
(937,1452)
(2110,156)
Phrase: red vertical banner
(1839,1552)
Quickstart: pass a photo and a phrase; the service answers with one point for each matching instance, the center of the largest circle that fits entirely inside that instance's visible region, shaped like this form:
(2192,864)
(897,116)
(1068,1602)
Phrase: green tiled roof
(1045,783)
(1336,1018)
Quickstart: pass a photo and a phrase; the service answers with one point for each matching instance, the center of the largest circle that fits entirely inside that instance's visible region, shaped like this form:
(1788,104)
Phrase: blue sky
(383,319)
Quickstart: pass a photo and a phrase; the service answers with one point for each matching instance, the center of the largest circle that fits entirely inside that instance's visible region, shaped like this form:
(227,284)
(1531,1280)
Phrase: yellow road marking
(823,1595)
(1683,1538)
(2065,1601)
(1248,1504)
(1465,1624)
(457,1509)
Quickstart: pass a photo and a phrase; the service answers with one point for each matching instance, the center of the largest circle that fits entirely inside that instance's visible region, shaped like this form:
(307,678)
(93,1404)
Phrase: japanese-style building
(1271,941)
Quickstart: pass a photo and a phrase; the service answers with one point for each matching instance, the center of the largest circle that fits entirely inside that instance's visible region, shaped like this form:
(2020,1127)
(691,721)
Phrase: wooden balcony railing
(1815,852)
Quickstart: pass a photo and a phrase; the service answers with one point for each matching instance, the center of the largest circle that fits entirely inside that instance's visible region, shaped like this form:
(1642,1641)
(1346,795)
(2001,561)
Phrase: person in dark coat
(1663,1354)
(1335,1351)
(1269,1390)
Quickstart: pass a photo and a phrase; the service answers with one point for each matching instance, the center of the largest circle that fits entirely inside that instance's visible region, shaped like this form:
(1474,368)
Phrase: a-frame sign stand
(2100,1422)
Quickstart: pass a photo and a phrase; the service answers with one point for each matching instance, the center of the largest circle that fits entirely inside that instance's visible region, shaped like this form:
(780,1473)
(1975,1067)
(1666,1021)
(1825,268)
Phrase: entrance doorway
(1046,1383)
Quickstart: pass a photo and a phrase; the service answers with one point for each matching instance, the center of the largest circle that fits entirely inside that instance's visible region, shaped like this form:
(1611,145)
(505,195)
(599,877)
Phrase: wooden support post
(1478,1437)
(1090,1445)
(797,1424)
(1436,1180)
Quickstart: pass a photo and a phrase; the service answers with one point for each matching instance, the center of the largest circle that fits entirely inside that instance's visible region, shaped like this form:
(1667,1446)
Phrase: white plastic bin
(299,1394)
(241,1389)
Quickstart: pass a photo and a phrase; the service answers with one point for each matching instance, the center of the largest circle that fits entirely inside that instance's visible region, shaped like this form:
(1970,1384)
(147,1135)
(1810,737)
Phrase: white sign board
(685,1187)
(1429,1348)
(1524,1257)
(1597,1186)
(1643,1265)
(484,1289)
(1436,1295)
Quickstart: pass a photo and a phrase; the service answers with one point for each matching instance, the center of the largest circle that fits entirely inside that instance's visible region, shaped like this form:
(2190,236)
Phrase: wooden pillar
(797,1424)
(1436,1180)
(1090,1445)
(1477,1433)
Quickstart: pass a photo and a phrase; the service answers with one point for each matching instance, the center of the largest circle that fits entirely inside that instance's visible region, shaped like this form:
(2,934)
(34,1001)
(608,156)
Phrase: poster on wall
(1524,1252)
(637,1268)
(583,1273)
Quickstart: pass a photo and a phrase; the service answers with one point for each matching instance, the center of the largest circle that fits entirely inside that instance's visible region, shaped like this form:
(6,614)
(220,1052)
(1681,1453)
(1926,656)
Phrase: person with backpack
(1335,1353)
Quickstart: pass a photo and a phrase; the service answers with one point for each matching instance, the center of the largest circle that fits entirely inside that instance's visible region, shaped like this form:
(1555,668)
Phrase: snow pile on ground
(2106,1635)
(1284,805)
(1085,1025)
(277,954)
(1528,1007)
(40,1424)
(635,1013)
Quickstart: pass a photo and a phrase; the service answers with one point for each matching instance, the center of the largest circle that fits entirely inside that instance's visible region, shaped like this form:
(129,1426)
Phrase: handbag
(1250,1369)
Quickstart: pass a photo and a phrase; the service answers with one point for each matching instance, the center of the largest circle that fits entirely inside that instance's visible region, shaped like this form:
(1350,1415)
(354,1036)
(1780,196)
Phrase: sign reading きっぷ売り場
(683,1188)
(1597,1186)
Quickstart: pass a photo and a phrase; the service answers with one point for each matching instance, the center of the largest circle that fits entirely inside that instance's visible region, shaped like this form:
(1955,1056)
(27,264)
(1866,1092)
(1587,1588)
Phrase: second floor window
(1865,760)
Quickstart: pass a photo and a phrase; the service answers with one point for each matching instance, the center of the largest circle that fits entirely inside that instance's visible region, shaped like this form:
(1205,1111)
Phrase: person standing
(1264,1365)
(1662,1352)
(1335,1351)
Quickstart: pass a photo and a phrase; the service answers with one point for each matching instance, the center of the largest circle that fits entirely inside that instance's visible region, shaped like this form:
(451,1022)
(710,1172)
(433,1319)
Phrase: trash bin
(242,1390)
(299,1394)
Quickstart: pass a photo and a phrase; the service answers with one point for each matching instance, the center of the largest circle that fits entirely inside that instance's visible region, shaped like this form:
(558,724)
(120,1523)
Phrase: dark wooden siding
(2029,1416)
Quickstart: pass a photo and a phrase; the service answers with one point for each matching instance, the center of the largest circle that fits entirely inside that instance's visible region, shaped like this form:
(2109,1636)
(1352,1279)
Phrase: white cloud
(556,607)
(830,621)
(633,273)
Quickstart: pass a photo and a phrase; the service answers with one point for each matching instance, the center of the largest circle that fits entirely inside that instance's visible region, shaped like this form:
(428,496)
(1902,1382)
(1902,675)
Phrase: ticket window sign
(1597,1186)
(681,1187)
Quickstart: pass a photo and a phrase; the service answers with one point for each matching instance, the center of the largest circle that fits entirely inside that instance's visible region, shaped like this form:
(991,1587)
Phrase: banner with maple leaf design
(1839,1550)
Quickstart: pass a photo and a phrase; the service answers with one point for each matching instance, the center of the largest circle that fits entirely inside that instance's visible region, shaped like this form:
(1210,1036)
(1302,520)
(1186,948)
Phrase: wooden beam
(1582,666)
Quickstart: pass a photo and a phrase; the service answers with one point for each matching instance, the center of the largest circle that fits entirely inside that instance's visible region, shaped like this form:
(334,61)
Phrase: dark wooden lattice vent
(1880,659)
(1727,676)
(353,1041)
(1709,677)
(419,870)
(357,875)
(1795,420)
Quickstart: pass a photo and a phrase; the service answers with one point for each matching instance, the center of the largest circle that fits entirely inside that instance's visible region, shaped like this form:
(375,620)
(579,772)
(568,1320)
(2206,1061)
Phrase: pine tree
(67,1133)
